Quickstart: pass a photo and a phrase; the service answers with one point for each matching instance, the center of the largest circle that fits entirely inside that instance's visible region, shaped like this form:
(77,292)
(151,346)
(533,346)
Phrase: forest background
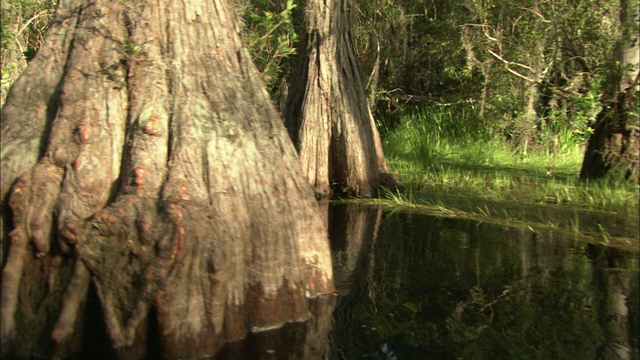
(484,107)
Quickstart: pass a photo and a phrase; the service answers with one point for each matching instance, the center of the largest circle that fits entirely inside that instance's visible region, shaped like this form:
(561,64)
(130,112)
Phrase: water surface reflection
(415,287)
(412,286)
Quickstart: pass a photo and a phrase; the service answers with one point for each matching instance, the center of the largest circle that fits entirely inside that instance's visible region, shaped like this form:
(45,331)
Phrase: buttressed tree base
(327,113)
(142,156)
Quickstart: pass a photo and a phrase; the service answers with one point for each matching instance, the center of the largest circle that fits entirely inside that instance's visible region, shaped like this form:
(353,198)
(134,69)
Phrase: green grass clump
(452,170)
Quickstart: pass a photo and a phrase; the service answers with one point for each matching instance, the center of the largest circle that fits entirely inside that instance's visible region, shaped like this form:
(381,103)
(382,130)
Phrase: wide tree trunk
(327,113)
(614,146)
(142,157)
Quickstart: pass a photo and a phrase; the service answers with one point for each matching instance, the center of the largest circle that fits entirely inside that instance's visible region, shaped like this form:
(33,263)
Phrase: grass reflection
(429,287)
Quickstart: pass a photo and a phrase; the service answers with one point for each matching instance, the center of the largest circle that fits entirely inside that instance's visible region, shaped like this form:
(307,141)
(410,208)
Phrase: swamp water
(420,287)
(412,286)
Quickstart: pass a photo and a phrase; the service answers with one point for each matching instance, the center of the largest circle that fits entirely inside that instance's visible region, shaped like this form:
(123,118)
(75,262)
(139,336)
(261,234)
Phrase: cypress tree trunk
(613,148)
(147,161)
(327,113)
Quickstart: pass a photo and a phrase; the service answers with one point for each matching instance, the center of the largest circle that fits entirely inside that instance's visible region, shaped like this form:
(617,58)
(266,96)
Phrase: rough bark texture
(30,107)
(148,161)
(327,113)
(614,147)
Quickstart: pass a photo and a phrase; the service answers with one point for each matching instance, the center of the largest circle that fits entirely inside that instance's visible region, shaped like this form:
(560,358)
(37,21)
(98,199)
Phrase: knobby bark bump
(148,162)
(327,113)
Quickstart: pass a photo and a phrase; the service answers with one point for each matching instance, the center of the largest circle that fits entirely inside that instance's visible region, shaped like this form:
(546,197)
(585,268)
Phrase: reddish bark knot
(144,225)
(160,299)
(77,164)
(151,127)
(182,192)
(175,211)
(105,217)
(57,335)
(69,234)
(83,131)
(18,195)
(139,171)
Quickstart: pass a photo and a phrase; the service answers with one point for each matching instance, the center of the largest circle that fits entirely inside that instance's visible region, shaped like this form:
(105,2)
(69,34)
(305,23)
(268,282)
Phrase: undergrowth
(451,170)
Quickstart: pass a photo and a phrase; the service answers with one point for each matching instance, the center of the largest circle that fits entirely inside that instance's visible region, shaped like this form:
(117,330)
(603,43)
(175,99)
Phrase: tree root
(13,270)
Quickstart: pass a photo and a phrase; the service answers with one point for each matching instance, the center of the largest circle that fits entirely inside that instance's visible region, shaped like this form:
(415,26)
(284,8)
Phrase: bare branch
(484,30)
(535,12)
(509,63)
(30,20)
(473,24)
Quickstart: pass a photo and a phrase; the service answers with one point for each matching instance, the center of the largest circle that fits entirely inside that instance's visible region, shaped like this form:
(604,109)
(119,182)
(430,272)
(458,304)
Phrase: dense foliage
(24,23)
(531,72)
(270,34)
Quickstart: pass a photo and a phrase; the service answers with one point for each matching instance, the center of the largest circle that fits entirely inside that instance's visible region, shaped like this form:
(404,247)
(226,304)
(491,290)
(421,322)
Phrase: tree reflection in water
(413,287)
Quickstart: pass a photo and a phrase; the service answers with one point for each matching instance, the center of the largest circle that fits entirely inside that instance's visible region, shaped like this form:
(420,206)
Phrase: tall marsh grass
(446,160)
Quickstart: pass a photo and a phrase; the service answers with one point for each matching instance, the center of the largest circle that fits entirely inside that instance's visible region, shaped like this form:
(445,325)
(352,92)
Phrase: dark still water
(411,286)
(420,287)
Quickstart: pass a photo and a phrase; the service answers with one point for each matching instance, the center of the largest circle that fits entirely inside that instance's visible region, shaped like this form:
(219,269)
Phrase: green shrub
(270,34)
(24,24)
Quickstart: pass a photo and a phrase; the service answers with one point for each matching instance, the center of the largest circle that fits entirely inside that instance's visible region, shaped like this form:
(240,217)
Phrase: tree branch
(535,12)
(30,20)
(509,63)
(401,95)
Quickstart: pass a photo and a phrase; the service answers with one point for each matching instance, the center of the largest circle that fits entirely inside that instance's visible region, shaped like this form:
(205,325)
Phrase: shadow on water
(421,287)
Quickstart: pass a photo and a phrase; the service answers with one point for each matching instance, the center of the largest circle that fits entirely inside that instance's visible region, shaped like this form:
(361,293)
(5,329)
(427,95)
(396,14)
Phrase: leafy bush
(24,24)
(270,35)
